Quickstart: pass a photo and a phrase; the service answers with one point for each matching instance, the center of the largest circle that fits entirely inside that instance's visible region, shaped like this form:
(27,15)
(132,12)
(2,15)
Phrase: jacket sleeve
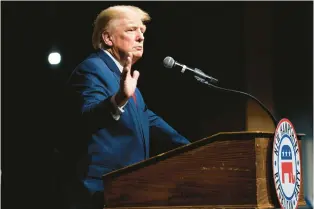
(91,96)
(161,128)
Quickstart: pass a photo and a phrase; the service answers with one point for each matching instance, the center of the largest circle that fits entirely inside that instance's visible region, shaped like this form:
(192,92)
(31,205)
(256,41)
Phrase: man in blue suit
(115,121)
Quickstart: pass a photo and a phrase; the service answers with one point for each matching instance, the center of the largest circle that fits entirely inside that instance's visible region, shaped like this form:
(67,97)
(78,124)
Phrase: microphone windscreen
(168,62)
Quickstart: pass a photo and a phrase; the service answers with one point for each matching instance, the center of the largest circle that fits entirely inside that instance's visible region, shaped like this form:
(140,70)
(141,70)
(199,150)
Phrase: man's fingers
(127,66)
(136,74)
(128,63)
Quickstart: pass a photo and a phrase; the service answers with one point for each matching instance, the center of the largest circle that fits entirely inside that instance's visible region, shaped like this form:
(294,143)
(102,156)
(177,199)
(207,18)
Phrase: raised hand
(128,82)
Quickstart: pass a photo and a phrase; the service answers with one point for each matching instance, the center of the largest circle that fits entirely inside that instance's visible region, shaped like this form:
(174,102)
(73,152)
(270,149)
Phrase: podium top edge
(249,132)
(257,134)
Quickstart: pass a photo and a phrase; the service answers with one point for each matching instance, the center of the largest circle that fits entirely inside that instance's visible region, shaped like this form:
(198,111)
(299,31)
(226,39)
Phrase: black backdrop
(206,35)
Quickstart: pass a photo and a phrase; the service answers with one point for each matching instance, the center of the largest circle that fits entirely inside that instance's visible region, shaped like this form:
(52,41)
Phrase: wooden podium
(226,170)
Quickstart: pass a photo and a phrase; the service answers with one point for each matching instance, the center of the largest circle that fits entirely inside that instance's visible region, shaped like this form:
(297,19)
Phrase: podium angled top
(225,170)
(241,135)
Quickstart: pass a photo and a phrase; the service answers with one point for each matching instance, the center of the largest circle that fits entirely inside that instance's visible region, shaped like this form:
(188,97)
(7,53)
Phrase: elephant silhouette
(286,167)
(286,164)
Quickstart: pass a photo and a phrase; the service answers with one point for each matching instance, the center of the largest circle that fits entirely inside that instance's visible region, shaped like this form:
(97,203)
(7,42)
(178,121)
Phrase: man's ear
(106,38)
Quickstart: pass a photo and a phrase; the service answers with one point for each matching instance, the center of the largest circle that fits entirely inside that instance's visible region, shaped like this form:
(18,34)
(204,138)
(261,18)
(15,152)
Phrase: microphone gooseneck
(169,62)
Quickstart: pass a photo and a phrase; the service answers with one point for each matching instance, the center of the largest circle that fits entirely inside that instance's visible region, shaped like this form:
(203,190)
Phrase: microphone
(169,62)
(205,79)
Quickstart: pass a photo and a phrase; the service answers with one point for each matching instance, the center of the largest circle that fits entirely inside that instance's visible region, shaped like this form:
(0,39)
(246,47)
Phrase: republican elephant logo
(286,164)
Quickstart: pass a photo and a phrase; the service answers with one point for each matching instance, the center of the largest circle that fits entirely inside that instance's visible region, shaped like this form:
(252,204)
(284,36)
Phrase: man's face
(127,35)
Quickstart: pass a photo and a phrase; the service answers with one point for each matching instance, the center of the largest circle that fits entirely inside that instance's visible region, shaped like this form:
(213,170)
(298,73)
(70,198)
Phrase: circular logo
(286,165)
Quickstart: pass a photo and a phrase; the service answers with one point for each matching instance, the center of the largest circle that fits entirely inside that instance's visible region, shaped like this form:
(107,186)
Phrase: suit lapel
(109,62)
(114,68)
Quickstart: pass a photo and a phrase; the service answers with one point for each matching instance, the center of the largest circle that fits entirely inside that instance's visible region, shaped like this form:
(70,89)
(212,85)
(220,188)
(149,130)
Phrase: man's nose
(140,36)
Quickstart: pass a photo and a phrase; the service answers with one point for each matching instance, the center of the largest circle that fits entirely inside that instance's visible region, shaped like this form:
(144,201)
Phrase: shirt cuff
(117,110)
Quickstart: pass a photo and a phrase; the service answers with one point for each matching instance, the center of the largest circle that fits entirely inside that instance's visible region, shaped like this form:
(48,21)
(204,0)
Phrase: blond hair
(104,18)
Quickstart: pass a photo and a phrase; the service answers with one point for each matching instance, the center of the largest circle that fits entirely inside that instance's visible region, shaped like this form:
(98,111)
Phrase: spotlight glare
(54,58)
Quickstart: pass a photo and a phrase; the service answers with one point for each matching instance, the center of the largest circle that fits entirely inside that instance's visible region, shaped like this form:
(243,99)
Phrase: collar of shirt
(115,61)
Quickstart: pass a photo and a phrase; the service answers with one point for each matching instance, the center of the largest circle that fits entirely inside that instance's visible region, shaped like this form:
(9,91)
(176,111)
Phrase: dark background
(206,35)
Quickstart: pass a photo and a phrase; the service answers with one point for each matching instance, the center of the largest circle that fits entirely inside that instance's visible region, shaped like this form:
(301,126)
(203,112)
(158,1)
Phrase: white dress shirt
(118,110)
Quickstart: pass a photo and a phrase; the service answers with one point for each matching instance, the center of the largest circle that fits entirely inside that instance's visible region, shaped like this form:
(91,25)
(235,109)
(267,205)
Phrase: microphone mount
(200,76)
(169,62)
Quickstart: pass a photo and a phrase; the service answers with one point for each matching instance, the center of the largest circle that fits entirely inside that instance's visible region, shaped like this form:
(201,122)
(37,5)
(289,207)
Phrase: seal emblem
(286,165)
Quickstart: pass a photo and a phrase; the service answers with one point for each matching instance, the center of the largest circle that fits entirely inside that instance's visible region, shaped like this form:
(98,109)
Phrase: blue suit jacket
(111,144)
